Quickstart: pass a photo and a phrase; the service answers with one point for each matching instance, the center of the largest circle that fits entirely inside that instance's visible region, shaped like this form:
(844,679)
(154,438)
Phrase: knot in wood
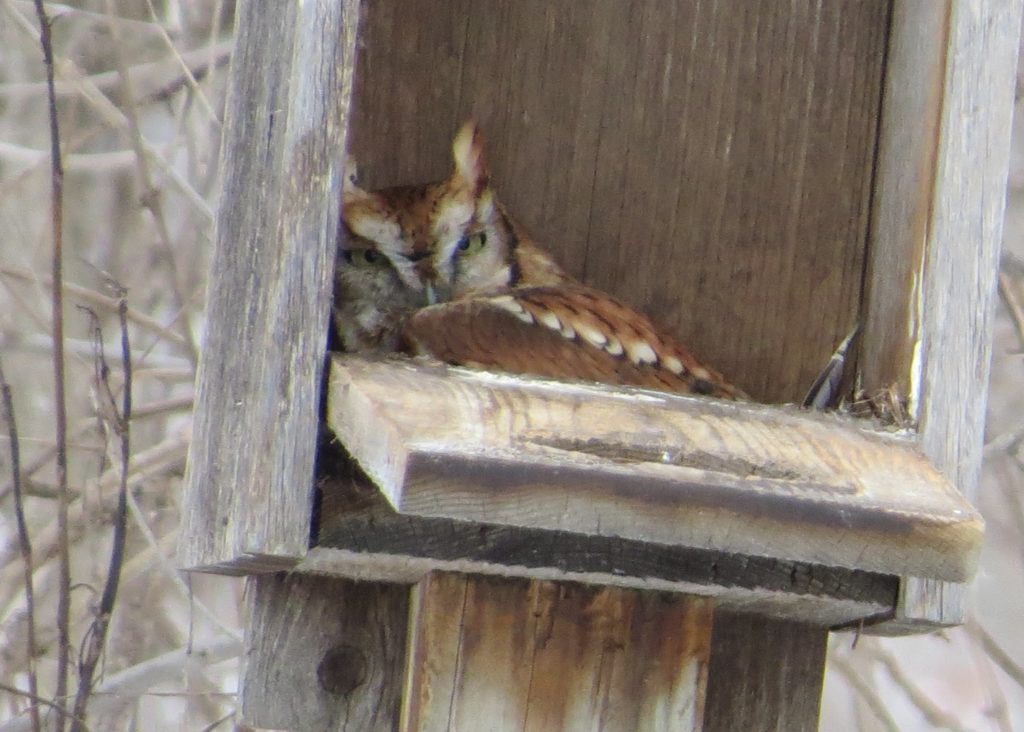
(342,669)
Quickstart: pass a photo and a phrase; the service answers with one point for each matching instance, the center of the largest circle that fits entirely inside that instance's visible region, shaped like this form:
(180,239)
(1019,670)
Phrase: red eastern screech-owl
(440,269)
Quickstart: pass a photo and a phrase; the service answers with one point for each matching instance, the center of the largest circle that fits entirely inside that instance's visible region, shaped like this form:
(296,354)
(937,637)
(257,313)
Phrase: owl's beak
(435,292)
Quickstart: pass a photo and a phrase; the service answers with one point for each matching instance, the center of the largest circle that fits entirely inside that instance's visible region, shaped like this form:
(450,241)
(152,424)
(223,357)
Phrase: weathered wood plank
(965,234)
(324,653)
(649,466)
(361,536)
(250,468)
(765,675)
(904,186)
(955,292)
(516,655)
(924,606)
(709,162)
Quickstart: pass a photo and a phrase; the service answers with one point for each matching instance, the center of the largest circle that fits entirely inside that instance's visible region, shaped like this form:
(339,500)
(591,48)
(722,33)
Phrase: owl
(442,270)
(407,247)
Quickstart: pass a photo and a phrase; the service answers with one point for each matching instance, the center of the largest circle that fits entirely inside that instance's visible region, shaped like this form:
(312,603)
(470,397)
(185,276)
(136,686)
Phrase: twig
(61,415)
(996,707)
(96,638)
(150,195)
(938,718)
(1013,303)
(26,548)
(865,691)
(113,116)
(158,80)
(95,299)
(218,722)
(190,79)
(82,428)
(36,699)
(1002,659)
(135,680)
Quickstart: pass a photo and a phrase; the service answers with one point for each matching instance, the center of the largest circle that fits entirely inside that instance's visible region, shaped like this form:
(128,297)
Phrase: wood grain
(250,469)
(965,234)
(323,653)
(360,536)
(649,466)
(924,606)
(765,675)
(709,163)
(904,187)
(955,286)
(516,655)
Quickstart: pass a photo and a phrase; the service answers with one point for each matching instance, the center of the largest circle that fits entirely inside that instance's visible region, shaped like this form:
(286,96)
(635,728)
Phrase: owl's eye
(364,257)
(473,243)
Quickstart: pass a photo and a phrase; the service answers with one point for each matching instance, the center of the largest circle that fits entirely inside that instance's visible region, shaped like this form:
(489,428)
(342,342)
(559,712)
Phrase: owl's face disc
(409,246)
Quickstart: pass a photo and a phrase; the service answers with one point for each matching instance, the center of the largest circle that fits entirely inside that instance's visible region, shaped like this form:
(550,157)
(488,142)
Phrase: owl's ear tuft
(468,155)
(351,172)
(350,191)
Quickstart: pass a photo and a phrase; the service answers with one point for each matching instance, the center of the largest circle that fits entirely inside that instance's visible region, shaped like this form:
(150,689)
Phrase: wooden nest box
(533,555)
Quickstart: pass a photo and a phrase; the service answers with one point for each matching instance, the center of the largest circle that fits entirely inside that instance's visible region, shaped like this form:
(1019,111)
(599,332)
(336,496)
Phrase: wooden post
(248,488)
(323,653)
(518,655)
(766,675)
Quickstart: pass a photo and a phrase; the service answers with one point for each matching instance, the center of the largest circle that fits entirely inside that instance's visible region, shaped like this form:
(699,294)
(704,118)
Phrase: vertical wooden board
(509,654)
(250,470)
(954,294)
(962,255)
(709,162)
(323,653)
(904,184)
(765,675)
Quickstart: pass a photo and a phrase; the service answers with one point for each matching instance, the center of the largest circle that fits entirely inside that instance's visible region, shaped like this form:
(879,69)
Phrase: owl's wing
(561,332)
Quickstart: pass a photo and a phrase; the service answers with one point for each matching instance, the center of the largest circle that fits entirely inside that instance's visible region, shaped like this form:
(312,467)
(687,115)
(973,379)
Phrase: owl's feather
(563,332)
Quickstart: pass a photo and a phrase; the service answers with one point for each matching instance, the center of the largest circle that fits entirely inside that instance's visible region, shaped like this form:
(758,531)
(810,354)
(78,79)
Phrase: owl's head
(410,246)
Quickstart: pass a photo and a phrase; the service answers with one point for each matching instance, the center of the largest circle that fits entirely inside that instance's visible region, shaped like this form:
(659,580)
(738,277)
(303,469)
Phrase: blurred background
(141,180)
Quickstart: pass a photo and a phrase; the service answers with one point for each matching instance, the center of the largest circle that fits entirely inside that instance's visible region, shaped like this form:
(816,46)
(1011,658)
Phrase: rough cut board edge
(480,479)
(407,569)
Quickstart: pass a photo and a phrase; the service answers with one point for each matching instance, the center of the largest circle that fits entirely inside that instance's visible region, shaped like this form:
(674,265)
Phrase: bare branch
(60,410)
(866,692)
(26,548)
(36,699)
(937,717)
(97,300)
(1010,667)
(189,78)
(151,199)
(97,637)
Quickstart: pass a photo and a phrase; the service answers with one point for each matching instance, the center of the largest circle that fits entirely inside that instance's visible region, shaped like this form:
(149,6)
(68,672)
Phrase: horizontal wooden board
(650,467)
(360,536)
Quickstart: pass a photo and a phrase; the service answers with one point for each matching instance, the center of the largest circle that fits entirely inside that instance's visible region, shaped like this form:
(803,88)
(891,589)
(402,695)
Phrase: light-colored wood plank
(765,675)
(516,655)
(904,186)
(964,235)
(649,466)
(707,162)
(323,653)
(924,606)
(250,470)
